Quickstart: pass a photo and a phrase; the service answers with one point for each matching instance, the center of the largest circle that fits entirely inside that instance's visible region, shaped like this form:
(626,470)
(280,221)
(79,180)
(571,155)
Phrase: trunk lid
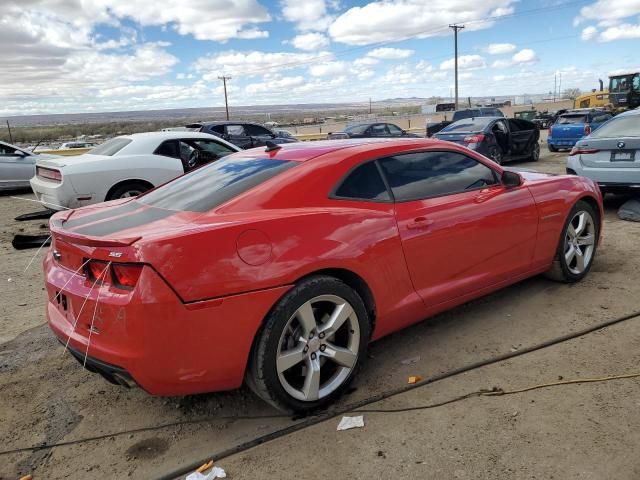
(61,161)
(610,152)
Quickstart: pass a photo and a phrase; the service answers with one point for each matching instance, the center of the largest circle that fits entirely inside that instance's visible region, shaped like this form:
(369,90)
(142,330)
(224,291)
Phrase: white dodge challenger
(123,167)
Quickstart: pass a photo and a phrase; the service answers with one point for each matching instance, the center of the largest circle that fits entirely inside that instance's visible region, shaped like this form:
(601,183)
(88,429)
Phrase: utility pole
(455,36)
(369,105)
(10,136)
(560,87)
(226,102)
(555,87)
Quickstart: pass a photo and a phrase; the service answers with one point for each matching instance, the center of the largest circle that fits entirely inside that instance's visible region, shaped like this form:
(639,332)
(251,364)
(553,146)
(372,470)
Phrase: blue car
(572,126)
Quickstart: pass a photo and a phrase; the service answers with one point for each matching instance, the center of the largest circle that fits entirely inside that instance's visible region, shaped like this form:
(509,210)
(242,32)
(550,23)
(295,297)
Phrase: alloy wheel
(579,242)
(130,193)
(318,348)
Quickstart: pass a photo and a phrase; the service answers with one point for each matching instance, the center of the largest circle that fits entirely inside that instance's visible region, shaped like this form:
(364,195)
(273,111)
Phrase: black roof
(222,122)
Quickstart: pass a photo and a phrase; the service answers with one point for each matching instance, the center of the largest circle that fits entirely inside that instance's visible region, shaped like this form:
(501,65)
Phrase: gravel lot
(588,431)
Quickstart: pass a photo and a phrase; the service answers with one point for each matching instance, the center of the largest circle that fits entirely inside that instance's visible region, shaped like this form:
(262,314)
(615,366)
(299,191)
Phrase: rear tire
(495,154)
(552,148)
(126,190)
(535,152)
(577,247)
(299,363)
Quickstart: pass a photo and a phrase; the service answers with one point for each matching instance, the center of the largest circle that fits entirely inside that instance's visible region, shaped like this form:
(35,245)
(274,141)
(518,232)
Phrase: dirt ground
(588,431)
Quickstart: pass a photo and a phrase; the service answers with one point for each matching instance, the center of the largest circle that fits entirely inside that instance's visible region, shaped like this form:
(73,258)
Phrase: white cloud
(307,15)
(465,62)
(523,57)
(389,20)
(280,84)
(253,62)
(387,53)
(609,11)
(500,48)
(310,41)
(366,61)
(329,68)
(589,33)
(623,31)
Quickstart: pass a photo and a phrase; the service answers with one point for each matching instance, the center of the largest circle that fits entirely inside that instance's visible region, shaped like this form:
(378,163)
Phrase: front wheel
(577,247)
(311,346)
(552,148)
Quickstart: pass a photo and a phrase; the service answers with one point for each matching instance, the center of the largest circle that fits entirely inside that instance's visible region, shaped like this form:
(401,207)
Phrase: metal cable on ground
(356,406)
(376,398)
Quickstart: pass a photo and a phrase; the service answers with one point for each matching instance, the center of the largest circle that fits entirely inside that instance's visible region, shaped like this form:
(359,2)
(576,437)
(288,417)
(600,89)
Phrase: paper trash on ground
(351,422)
(216,472)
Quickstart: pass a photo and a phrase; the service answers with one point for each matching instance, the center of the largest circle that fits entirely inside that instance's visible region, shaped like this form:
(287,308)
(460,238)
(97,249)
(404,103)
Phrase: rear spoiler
(60,234)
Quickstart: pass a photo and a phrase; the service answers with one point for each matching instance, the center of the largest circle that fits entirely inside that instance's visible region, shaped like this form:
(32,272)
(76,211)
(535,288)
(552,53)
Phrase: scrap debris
(347,423)
(414,379)
(216,472)
(410,361)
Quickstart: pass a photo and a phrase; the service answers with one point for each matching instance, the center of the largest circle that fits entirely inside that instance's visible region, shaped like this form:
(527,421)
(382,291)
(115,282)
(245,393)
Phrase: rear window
(619,127)
(469,125)
(356,129)
(566,119)
(214,184)
(111,147)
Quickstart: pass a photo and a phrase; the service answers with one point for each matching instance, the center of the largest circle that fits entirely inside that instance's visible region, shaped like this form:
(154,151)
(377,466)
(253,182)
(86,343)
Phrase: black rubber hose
(308,422)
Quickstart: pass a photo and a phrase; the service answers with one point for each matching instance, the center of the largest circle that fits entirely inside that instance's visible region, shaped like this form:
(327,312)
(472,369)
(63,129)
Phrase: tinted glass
(468,125)
(111,147)
(217,129)
(364,183)
(416,176)
(379,129)
(619,127)
(356,129)
(214,184)
(168,149)
(394,130)
(256,130)
(212,147)
(567,119)
(7,150)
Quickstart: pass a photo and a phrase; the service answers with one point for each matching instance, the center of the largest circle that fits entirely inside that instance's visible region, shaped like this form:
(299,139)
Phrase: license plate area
(623,156)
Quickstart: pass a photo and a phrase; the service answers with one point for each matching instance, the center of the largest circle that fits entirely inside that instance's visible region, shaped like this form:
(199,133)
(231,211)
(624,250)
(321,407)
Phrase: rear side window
(471,125)
(111,147)
(417,176)
(235,130)
(619,127)
(214,184)
(364,183)
(567,119)
(256,130)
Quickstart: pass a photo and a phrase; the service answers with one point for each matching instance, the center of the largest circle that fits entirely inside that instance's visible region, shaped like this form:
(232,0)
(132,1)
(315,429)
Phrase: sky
(66,56)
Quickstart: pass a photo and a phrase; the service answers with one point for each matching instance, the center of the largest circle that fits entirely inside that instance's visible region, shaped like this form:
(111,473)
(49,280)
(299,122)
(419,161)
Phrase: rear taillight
(474,138)
(122,275)
(582,151)
(49,174)
(551,131)
(587,130)
(126,275)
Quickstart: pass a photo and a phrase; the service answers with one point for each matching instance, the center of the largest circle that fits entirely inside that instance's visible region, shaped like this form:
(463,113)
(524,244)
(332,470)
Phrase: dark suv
(242,134)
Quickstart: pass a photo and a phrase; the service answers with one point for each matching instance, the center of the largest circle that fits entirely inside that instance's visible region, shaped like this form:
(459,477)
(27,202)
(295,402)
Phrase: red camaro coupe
(278,266)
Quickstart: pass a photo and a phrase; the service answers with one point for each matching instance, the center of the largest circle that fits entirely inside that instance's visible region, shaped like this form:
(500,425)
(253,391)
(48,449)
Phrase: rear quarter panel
(555,196)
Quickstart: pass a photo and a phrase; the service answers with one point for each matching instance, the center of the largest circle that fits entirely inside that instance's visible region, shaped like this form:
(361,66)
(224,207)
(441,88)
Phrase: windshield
(111,147)
(356,129)
(214,184)
(619,127)
(468,125)
(566,119)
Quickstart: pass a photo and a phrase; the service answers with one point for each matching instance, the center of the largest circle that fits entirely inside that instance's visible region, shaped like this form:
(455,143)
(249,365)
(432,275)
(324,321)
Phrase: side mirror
(510,179)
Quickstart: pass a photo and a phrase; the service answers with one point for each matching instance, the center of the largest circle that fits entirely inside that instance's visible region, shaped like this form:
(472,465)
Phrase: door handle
(419,223)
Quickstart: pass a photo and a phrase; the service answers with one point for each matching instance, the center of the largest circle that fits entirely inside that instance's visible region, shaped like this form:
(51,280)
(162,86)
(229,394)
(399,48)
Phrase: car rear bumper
(55,196)
(149,337)
(563,142)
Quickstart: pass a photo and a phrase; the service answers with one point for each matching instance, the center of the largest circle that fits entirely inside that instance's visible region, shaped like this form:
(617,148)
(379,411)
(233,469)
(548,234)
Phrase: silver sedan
(17,166)
(611,154)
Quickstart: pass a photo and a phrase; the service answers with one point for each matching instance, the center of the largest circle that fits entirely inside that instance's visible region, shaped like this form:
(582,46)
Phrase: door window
(394,130)
(7,151)
(168,149)
(235,130)
(256,130)
(364,183)
(417,176)
(212,147)
(378,130)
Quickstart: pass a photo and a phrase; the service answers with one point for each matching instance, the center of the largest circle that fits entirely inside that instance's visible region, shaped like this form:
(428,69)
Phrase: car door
(259,135)
(16,167)
(461,229)
(237,135)
(520,135)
